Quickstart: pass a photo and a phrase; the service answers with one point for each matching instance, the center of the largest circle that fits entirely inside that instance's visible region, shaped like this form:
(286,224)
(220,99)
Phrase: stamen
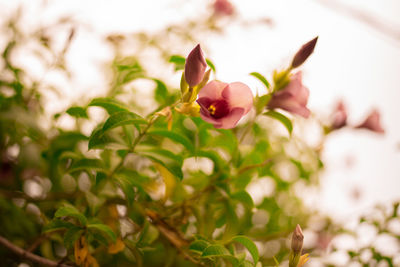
(212,109)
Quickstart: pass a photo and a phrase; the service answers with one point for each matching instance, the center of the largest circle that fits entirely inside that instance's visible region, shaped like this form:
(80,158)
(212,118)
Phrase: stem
(28,255)
(246,168)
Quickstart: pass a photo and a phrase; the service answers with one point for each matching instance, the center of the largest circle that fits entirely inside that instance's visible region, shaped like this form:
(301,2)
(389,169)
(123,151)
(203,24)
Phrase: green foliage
(162,188)
(262,79)
(282,118)
(71,211)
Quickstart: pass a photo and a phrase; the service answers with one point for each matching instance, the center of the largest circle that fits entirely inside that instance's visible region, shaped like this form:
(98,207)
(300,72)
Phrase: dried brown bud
(297,240)
(304,52)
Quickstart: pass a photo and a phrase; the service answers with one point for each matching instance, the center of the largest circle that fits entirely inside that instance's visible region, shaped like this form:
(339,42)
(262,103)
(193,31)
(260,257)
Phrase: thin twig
(28,255)
(249,167)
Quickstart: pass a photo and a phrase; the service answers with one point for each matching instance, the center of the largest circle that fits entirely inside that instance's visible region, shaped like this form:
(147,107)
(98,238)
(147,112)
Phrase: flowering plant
(155,172)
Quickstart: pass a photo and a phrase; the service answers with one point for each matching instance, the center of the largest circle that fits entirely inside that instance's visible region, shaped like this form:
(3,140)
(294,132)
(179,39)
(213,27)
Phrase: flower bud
(195,66)
(304,52)
(293,97)
(297,240)
(372,123)
(339,116)
(223,7)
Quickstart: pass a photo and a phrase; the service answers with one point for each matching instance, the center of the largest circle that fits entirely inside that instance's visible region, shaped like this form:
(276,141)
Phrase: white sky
(351,61)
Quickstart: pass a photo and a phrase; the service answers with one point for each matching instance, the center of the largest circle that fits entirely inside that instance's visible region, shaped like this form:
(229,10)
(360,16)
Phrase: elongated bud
(297,240)
(195,66)
(304,52)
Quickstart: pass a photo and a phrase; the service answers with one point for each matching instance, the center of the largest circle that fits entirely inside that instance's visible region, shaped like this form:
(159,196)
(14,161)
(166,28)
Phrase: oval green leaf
(282,118)
(71,211)
(104,230)
(123,118)
(87,164)
(251,247)
(261,78)
(174,137)
(78,112)
(109,104)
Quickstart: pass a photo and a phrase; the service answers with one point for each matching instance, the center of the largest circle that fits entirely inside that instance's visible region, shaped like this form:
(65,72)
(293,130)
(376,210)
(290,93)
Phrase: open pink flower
(292,98)
(223,7)
(339,116)
(224,104)
(195,66)
(372,122)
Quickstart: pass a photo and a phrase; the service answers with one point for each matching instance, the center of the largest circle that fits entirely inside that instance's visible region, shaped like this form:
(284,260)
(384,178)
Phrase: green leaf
(219,251)
(244,197)
(215,250)
(100,237)
(87,164)
(179,62)
(210,64)
(261,102)
(104,230)
(109,104)
(161,92)
(214,156)
(78,112)
(164,157)
(262,79)
(174,137)
(66,141)
(282,118)
(128,179)
(251,247)
(71,211)
(55,225)
(148,235)
(71,236)
(246,263)
(199,245)
(98,139)
(123,118)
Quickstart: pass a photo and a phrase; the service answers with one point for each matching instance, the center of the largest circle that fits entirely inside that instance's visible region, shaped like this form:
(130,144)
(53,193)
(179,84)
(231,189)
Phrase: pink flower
(195,66)
(224,104)
(372,123)
(339,117)
(223,7)
(292,98)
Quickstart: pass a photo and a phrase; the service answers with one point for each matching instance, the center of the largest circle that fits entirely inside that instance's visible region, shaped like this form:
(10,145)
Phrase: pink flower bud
(293,97)
(195,66)
(297,240)
(223,7)
(304,52)
(339,116)
(372,123)
(224,104)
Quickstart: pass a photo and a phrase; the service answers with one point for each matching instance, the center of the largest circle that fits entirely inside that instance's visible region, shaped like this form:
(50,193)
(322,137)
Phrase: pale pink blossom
(195,66)
(224,104)
(372,123)
(339,116)
(223,7)
(293,97)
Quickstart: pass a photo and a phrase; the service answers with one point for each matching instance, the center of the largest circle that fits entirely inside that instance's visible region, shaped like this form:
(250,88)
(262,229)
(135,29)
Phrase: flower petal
(232,119)
(212,90)
(297,89)
(290,104)
(238,94)
(207,118)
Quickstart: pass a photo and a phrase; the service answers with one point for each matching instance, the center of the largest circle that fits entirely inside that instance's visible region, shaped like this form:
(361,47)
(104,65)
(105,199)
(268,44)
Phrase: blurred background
(357,60)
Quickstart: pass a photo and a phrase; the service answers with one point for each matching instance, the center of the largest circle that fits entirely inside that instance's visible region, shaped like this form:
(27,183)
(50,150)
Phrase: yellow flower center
(212,109)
